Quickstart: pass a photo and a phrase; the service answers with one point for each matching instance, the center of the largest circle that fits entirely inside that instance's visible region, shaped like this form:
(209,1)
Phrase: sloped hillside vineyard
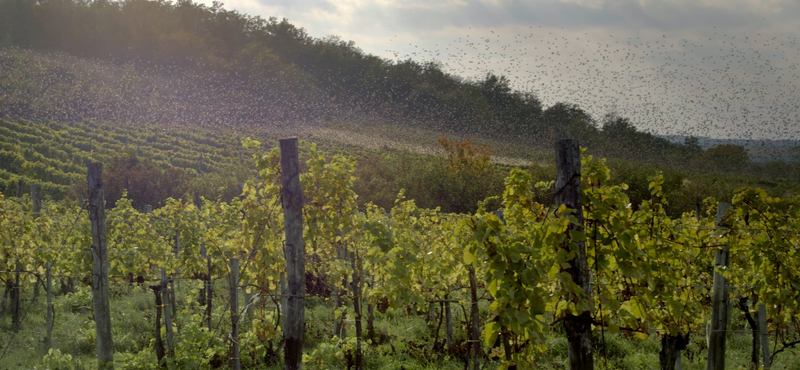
(650,274)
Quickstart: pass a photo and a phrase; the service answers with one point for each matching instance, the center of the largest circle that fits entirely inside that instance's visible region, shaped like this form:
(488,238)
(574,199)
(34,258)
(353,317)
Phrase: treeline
(189,63)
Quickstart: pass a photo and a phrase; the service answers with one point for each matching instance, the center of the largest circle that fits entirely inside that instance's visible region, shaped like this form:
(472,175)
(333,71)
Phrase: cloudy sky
(719,68)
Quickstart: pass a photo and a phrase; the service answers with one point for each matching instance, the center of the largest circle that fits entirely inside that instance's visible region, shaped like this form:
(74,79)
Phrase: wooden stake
(448,315)
(37,211)
(294,252)
(568,193)
(234,286)
(356,289)
(210,292)
(160,351)
(282,308)
(719,308)
(35,201)
(50,312)
(100,298)
(15,318)
(201,299)
(475,320)
(762,327)
(176,284)
(167,314)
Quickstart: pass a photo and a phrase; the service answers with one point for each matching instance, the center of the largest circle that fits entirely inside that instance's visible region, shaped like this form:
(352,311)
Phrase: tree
(726,157)
(145,182)
(568,121)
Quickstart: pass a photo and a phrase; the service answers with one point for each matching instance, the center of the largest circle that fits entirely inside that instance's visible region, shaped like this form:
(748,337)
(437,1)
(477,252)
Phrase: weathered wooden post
(475,330)
(371,313)
(234,286)
(568,193)
(201,298)
(175,284)
(206,294)
(167,314)
(449,322)
(209,292)
(36,201)
(719,307)
(339,322)
(160,352)
(100,298)
(294,251)
(762,327)
(13,287)
(16,322)
(282,308)
(37,211)
(49,316)
(356,289)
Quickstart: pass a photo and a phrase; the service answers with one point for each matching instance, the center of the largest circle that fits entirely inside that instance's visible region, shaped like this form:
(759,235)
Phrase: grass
(402,339)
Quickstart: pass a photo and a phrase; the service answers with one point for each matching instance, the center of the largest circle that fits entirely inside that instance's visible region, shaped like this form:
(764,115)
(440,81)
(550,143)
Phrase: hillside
(207,66)
(188,85)
(55,155)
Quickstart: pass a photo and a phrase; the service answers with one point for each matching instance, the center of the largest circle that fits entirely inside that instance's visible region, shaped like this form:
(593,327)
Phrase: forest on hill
(162,62)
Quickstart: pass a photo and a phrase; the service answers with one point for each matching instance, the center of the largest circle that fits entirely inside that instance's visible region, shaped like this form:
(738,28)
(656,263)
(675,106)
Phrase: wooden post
(160,352)
(338,322)
(698,203)
(209,292)
(50,312)
(234,285)
(568,193)
(15,305)
(14,291)
(294,251)
(356,289)
(100,298)
(371,313)
(475,320)
(762,327)
(37,211)
(282,308)
(35,201)
(167,314)
(176,284)
(201,298)
(719,308)
(448,315)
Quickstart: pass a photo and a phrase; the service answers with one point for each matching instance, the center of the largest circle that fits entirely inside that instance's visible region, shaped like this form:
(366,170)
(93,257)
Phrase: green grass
(404,340)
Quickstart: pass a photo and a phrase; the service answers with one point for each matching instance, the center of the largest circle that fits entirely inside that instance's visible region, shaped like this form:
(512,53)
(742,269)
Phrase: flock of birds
(724,86)
(718,85)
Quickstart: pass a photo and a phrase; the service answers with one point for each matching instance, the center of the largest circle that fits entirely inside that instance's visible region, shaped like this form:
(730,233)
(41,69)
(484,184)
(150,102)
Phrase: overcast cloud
(720,68)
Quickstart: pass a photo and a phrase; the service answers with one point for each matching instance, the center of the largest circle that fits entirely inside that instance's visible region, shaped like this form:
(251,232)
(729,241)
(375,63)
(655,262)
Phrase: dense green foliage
(651,271)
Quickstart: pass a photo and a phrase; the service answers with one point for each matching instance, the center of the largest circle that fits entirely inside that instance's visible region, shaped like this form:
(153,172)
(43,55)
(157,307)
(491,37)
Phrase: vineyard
(54,155)
(493,289)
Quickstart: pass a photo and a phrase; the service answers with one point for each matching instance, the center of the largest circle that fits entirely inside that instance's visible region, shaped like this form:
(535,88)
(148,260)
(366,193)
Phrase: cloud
(305,5)
(618,14)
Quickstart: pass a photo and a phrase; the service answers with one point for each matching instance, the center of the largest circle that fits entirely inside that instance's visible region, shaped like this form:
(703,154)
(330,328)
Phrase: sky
(717,68)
